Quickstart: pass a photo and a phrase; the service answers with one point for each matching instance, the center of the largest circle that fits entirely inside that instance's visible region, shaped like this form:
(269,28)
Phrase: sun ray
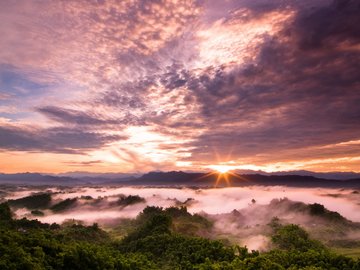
(242,178)
(227,180)
(223,174)
(205,175)
(218,180)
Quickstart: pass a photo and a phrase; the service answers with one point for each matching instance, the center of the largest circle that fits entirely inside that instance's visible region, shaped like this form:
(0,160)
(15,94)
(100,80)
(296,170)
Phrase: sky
(140,85)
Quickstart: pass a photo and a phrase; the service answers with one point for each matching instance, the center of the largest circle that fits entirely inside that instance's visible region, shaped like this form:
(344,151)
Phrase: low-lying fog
(254,204)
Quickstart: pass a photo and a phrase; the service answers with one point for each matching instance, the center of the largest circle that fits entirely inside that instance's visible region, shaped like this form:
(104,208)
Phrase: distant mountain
(36,179)
(325,175)
(175,178)
(106,181)
(80,174)
(170,178)
(42,179)
(201,179)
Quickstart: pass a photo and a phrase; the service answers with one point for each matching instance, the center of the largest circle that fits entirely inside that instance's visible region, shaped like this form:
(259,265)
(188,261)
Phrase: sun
(222,169)
(224,173)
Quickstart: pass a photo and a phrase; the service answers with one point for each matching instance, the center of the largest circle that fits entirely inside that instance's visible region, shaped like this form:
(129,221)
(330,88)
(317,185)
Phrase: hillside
(153,243)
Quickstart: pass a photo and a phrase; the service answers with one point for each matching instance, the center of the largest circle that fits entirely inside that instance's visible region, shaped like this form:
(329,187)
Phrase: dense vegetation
(129,200)
(153,243)
(41,200)
(63,205)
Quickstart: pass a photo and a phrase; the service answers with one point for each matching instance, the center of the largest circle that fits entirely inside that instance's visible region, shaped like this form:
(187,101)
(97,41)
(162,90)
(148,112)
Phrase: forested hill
(153,243)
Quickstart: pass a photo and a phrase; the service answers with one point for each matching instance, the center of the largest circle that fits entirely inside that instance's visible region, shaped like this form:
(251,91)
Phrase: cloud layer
(239,214)
(142,85)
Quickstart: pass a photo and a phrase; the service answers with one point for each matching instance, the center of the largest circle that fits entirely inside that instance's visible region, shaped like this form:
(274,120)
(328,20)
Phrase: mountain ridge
(180,178)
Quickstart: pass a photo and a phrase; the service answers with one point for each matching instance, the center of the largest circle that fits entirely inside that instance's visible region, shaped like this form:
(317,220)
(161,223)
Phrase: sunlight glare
(221,168)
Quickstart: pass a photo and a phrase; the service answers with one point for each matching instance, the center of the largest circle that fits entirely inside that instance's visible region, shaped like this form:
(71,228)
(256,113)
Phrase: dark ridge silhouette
(201,179)
(180,178)
(41,200)
(63,205)
(37,179)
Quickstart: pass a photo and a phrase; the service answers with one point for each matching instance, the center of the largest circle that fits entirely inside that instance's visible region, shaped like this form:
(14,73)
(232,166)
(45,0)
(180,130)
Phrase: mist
(211,201)
(238,213)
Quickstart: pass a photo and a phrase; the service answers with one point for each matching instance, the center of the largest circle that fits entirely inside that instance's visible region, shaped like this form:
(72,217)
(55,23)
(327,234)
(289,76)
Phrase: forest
(156,239)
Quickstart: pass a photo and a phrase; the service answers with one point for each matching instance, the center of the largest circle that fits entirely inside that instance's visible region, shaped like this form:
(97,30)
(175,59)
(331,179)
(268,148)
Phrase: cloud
(4,96)
(83,163)
(82,38)
(248,81)
(70,116)
(58,140)
(293,96)
(82,118)
(333,26)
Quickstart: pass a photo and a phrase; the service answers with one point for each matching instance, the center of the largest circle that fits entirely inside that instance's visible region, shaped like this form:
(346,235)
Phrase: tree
(5,212)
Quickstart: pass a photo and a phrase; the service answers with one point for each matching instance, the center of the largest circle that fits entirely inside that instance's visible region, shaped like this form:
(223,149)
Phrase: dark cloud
(328,27)
(70,116)
(80,118)
(119,99)
(83,163)
(174,76)
(303,90)
(58,140)
(226,9)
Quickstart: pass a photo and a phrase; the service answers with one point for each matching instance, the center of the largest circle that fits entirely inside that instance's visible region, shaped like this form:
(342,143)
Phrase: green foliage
(36,201)
(291,237)
(86,256)
(185,223)
(154,237)
(5,212)
(77,232)
(155,224)
(317,209)
(178,251)
(63,205)
(148,212)
(43,248)
(318,259)
(176,212)
(129,200)
(182,221)
(349,252)
(153,244)
(24,224)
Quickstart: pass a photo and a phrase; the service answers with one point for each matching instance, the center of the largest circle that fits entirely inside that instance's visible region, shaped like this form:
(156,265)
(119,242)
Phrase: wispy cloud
(58,140)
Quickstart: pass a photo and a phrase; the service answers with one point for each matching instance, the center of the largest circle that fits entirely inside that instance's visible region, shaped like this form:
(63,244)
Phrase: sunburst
(223,175)
(221,169)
